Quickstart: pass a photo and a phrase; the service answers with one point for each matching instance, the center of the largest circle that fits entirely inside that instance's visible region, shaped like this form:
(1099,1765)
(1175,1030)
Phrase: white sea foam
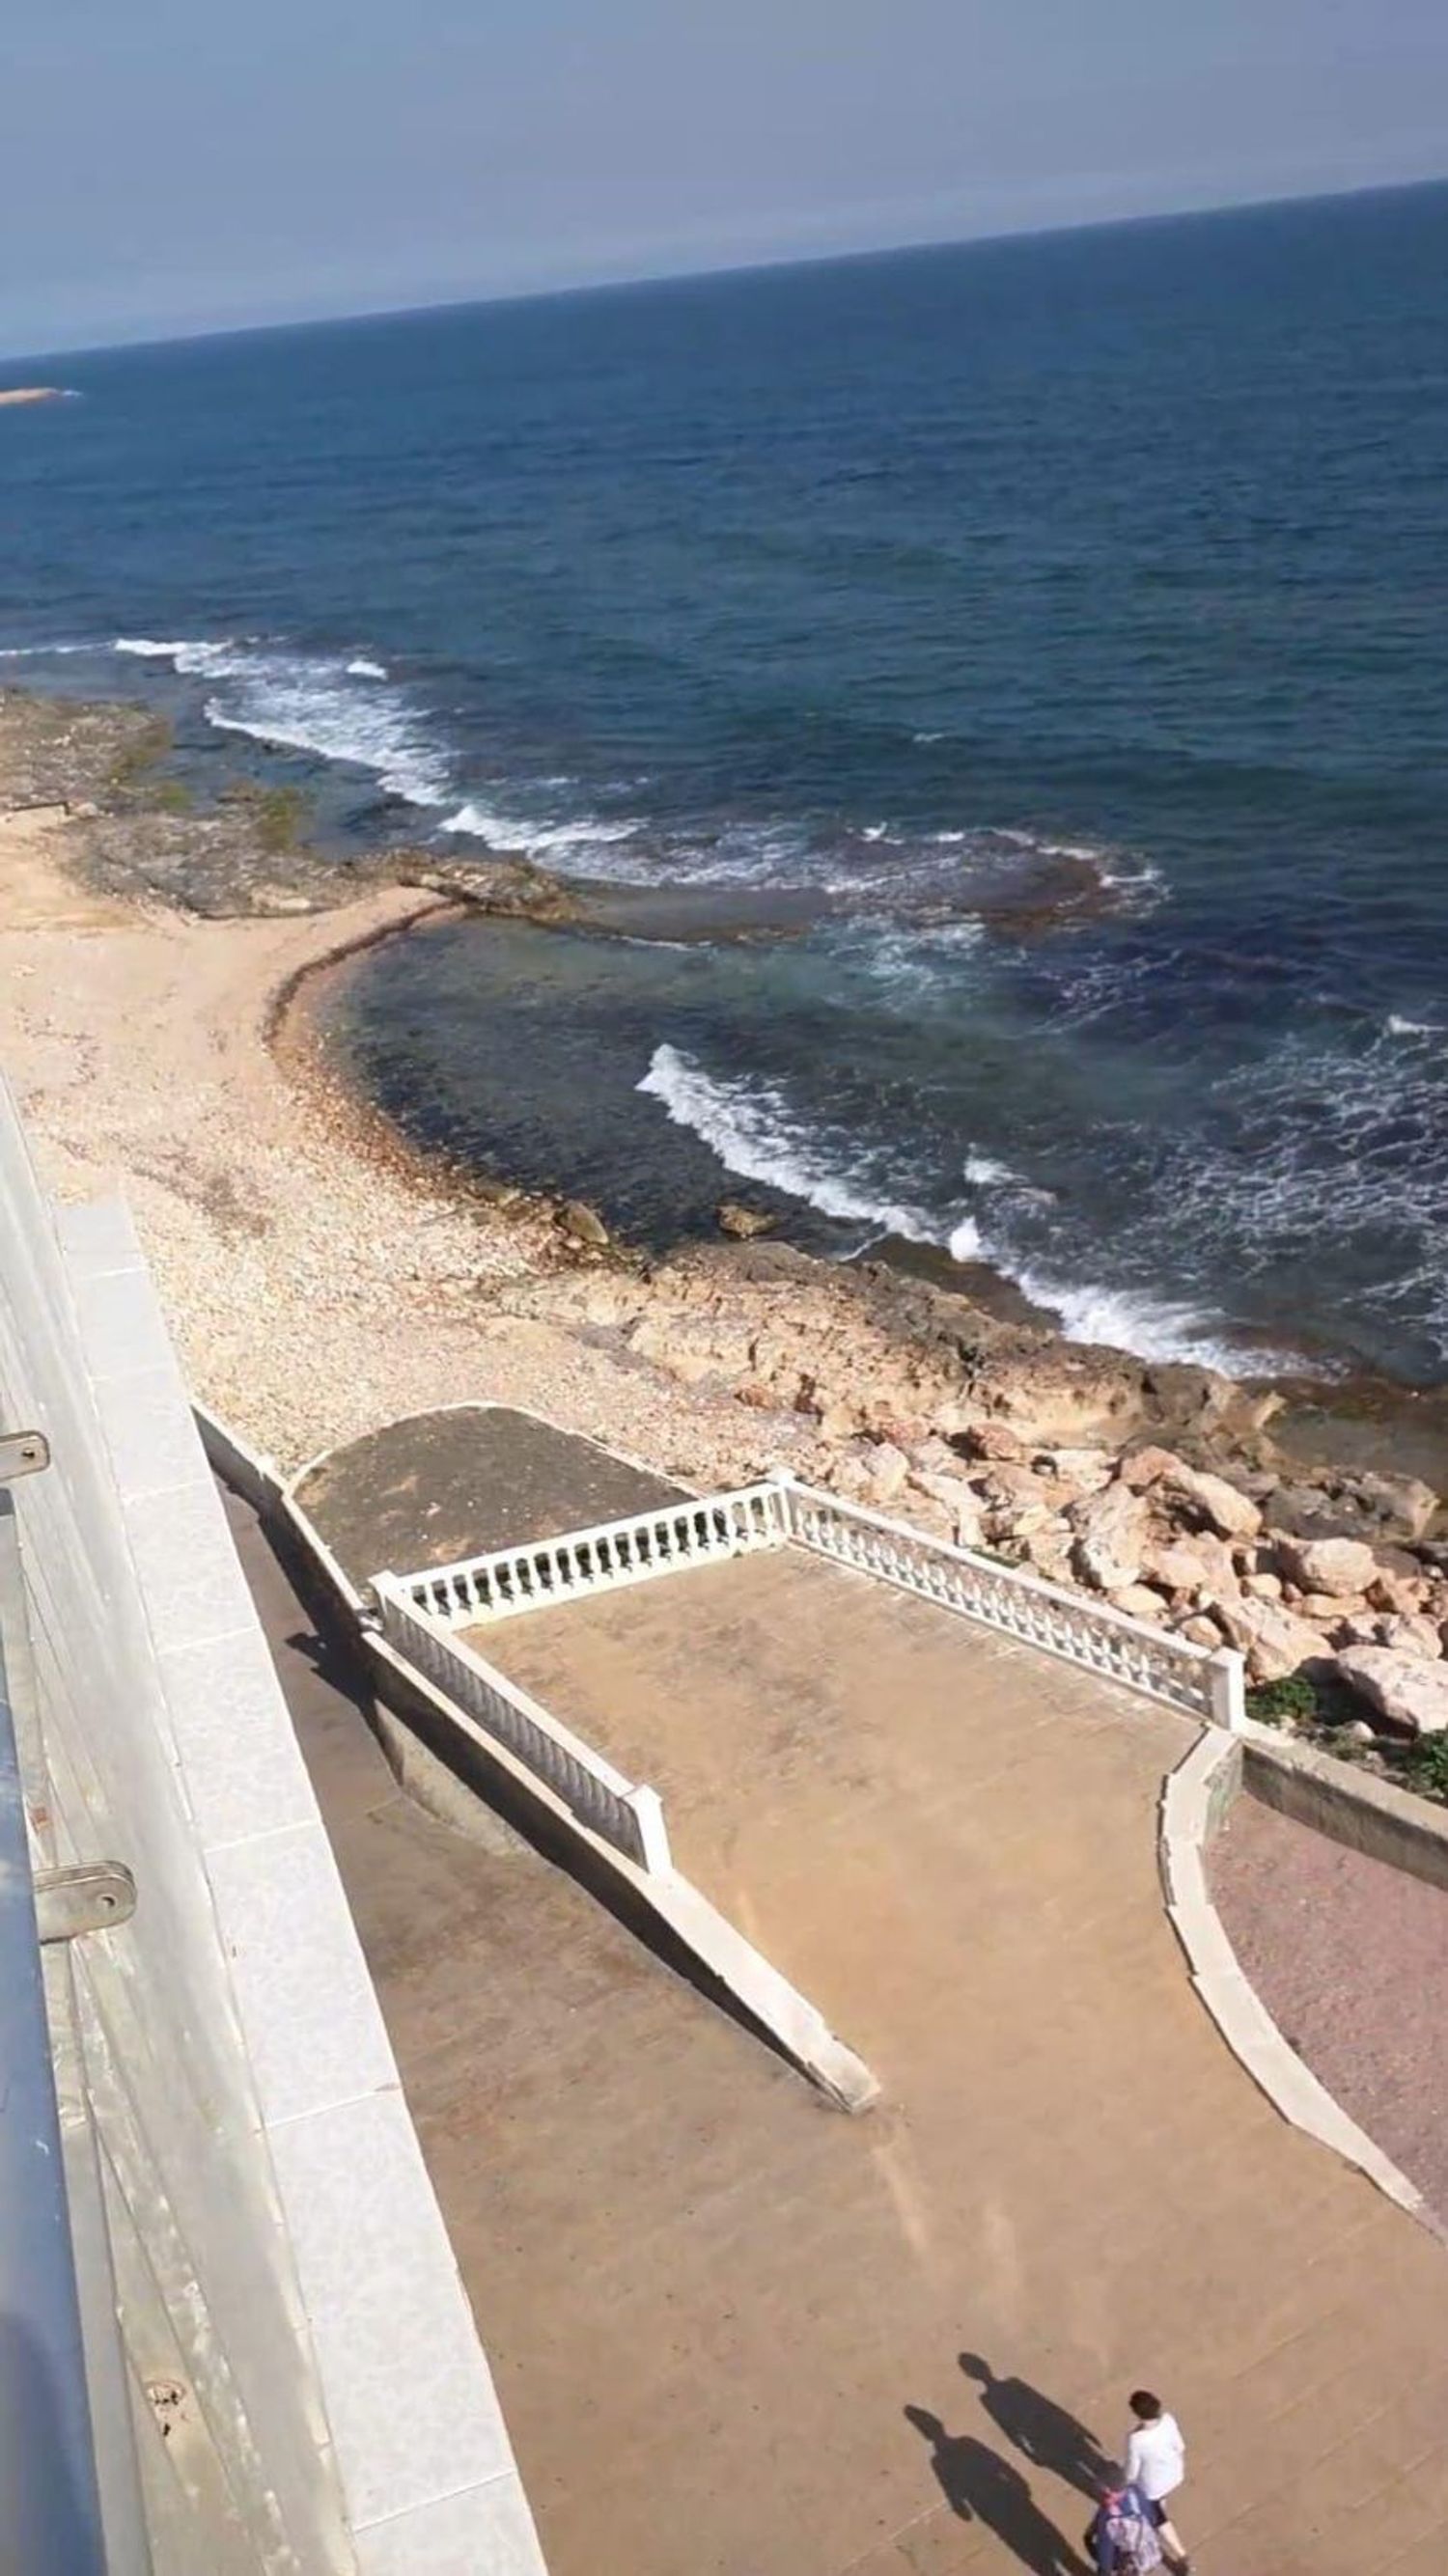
(359,668)
(1154,1328)
(747,1123)
(1397,1026)
(585,838)
(44,652)
(983,1171)
(308,702)
(914,967)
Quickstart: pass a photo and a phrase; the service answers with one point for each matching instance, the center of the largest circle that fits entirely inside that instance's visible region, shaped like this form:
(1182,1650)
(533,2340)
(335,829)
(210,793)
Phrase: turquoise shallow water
(891,580)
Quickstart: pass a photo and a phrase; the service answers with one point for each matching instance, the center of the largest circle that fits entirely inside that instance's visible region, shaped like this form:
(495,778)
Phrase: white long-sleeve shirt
(1156,2457)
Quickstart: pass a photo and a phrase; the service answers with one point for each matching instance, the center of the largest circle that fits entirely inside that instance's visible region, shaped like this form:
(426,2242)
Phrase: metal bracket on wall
(93,1896)
(22,1453)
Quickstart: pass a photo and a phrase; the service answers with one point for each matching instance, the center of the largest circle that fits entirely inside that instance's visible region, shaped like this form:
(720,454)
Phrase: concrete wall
(301,2368)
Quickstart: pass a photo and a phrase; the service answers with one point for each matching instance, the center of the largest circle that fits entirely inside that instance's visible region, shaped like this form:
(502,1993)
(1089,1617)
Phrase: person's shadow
(1041,2430)
(979,2486)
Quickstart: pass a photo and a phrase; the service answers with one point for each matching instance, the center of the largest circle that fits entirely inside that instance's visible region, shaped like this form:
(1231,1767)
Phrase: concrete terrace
(710,2301)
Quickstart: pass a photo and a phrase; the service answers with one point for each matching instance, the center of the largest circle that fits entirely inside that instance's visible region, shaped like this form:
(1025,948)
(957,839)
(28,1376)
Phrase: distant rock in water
(737,1219)
(32,393)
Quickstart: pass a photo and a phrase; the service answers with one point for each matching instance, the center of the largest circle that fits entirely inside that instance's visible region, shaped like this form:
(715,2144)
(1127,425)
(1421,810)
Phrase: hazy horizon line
(723,268)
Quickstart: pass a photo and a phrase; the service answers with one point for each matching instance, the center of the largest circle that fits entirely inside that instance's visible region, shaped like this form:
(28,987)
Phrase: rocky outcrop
(1375,1508)
(511,888)
(1154,1490)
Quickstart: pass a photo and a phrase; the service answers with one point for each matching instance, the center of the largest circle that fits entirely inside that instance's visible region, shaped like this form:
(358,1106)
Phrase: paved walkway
(726,2321)
(948,1843)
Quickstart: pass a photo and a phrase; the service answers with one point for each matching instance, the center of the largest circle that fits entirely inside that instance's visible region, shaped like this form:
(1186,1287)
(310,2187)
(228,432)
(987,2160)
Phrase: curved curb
(1196,1799)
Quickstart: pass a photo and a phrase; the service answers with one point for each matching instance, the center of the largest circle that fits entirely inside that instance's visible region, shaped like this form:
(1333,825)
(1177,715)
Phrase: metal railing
(693,1531)
(629,1817)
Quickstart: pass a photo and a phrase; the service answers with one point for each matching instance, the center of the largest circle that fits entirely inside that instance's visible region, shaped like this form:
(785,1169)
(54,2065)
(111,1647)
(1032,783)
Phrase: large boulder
(1340,1567)
(993,1440)
(889,1470)
(1195,1564)
(1370,1507)
(1272,1640)
(1079,1471)
(958,1500)
(1409,1694)
(582,1223)
(1138,1601)
(1151,1466)
(1230,1513)
(1047,1552)
(1409,1634)
(1111,1530)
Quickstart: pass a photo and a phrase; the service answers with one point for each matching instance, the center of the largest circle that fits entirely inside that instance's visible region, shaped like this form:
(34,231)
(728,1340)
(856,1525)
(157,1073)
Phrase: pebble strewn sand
(314,1289)
(1351,1959)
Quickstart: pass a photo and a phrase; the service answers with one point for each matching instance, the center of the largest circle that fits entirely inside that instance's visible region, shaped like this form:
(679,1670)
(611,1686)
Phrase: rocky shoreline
(1249,1514)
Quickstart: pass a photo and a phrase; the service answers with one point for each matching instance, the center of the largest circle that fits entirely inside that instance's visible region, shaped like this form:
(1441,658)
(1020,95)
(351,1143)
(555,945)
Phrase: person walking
(1122,2538)
(1156,2459)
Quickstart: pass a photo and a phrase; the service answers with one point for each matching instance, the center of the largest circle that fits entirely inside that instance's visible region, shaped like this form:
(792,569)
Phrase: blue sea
(1040,648)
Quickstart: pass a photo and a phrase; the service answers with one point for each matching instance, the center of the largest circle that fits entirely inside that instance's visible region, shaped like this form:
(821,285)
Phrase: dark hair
(1143,2403)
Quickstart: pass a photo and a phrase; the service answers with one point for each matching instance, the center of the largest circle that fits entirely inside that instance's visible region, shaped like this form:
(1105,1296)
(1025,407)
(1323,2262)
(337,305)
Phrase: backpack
(1135,2549)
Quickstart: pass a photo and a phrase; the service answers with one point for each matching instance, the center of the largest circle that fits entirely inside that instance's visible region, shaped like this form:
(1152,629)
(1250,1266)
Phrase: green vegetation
(149,742)
(171,796)
(282,813)
(1303,1701)
(1274,1703)
(1425,1767)
(281,818)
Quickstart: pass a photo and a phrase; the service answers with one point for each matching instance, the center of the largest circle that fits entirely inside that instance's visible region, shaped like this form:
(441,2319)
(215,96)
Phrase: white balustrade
(696,1530)
(630,1818)
(1207,1684)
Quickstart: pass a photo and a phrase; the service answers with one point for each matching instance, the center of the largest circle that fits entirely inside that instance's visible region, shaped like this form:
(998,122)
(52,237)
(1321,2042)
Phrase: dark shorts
(1158,2508)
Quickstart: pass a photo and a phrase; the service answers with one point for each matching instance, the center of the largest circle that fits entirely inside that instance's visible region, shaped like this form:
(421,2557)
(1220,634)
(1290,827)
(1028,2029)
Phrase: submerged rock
(733,1217)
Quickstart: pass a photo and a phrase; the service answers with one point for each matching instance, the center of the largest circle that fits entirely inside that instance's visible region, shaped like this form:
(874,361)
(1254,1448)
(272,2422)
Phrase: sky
(168,168)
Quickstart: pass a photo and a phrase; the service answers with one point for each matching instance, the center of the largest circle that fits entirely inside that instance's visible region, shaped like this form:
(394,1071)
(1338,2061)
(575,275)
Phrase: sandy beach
(313,1287)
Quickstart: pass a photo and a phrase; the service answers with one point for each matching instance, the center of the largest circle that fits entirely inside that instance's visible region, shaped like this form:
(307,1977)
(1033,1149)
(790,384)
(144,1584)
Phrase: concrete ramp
(435,1487)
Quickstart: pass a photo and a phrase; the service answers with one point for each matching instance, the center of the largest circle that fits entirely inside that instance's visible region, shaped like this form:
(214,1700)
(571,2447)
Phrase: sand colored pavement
(948,1842)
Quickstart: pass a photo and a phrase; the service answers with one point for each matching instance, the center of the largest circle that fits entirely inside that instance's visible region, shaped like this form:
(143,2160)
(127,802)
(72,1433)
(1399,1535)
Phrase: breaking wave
(749,1125)
(310,702)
